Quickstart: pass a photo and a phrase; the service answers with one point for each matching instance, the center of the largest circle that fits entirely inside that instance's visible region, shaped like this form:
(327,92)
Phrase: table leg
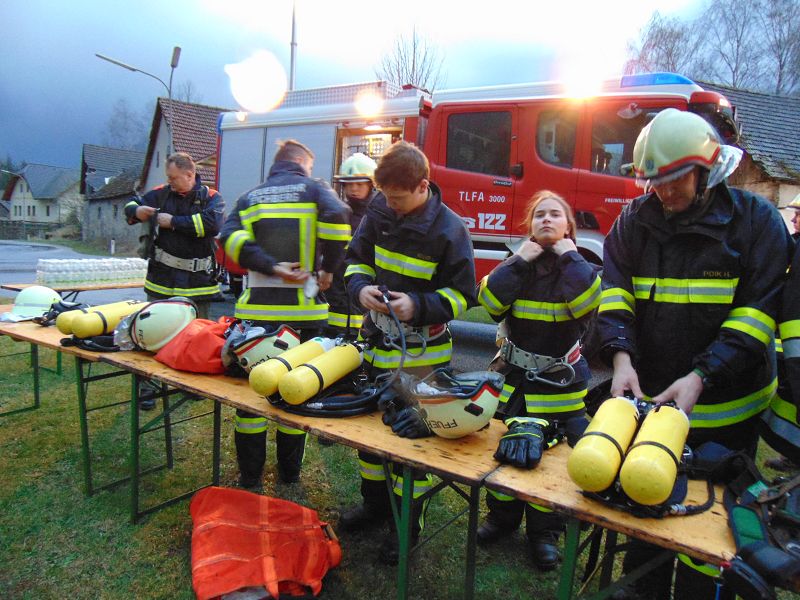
(84,424)
(571,540)
(216,448)
(134,454)
(404,533)
(472,541)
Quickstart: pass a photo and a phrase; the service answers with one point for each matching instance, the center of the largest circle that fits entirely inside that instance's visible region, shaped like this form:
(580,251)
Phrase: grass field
(56,543)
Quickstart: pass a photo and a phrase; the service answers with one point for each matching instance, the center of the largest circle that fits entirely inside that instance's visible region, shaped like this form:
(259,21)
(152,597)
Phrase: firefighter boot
(503,519)
(375,510)
(149,389)
(250,438)
(290,448)
(543,527)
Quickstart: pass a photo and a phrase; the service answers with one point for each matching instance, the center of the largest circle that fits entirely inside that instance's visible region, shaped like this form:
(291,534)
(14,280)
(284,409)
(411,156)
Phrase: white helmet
(159,322)
(457,405)
(358,167)
(34,301)
(250,346)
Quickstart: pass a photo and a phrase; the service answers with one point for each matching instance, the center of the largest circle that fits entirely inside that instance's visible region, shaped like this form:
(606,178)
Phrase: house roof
(768,124)
(194,131)
(45,181)
(124,184)
(100,163)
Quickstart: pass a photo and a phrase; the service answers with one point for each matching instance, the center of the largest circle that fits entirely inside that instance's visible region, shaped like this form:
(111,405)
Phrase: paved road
(473,342)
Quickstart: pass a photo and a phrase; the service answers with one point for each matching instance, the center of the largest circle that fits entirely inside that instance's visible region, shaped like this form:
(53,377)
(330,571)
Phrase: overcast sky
(55,95)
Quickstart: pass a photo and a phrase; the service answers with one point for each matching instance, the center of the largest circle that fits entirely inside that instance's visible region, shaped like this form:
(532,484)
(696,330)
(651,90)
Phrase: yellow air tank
(309,379)
(97,320)
(595,459)
(264,378)
(649,471)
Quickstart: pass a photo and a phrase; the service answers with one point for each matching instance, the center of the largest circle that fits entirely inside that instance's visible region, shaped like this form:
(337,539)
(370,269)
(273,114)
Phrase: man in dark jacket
(184,216)
(693,273)
(269,233)
(420,250)
(188,216)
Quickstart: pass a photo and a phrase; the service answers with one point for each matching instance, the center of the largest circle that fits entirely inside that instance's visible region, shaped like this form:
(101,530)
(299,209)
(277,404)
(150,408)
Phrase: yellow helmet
(671,145)
(358,167)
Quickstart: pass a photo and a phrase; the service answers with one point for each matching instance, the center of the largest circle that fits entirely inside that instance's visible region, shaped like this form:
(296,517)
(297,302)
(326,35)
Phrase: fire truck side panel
(241,160)
(320,138)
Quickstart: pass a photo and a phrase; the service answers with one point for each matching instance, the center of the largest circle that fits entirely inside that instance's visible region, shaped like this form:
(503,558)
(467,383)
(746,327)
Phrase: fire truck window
(613,137)
(479,142)
(555,137)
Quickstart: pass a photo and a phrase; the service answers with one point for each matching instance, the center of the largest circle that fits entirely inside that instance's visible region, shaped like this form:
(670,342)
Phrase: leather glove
(524,442)
(409,423)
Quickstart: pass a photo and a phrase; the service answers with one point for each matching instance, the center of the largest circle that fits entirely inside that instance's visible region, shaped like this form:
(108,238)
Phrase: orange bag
(198,347)
(241,539)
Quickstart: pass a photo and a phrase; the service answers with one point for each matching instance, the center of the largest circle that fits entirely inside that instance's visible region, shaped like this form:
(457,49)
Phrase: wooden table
(705,536)
(70,292)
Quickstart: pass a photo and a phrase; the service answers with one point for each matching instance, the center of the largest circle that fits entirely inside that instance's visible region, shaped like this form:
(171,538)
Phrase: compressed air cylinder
(649,471)
(595,459)
(264,378)
(307,380)
(96,320)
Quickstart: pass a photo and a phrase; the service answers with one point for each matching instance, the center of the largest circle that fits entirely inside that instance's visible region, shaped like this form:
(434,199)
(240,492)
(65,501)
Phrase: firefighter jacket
(197,218)
(427,255)
(547,305)
(288,218)
(338,304)
(699,291)
(779,426)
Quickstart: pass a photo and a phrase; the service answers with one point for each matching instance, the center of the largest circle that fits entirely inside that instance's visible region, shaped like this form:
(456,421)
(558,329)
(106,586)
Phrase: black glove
(409,423)
(526,439)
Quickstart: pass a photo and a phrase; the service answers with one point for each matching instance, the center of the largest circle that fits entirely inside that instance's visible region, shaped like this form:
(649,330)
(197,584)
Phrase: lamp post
(176,55)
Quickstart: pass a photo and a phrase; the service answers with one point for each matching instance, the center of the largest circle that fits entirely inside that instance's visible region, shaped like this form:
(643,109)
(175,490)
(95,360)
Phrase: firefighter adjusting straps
(537,364)
(392,332)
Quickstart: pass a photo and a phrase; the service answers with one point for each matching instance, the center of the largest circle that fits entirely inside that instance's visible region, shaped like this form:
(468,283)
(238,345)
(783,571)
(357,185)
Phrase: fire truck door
(473,165)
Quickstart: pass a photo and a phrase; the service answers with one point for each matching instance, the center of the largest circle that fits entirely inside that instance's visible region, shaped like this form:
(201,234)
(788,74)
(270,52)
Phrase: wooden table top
(467,460)
(49,337)
(705,536)
(78,287)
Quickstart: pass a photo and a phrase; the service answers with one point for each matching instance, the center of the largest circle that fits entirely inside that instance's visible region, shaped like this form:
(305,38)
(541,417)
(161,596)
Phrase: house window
(47,210)
(99,212)
(116,211)
(33,212)
(21,187)
(29,210)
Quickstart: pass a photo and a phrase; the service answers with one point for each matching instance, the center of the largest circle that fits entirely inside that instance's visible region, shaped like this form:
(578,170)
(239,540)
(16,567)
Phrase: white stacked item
(90,271)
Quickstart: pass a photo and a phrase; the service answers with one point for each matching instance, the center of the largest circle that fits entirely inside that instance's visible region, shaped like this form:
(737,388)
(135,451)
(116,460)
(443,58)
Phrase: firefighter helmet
(457,405)
(358,167)
(671,145)
(34,301)
(250,346)
(795,203)
(159,322)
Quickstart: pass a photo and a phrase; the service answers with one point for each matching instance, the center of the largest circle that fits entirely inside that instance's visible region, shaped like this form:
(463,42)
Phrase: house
(194,131)
(768,125)
(104,219)
(40,198)
(99,164)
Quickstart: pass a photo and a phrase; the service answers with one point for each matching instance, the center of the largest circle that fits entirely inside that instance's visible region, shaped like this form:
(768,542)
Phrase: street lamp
(176,55)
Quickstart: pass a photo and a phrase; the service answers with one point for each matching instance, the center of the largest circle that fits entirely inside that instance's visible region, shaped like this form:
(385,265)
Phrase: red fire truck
(489,148)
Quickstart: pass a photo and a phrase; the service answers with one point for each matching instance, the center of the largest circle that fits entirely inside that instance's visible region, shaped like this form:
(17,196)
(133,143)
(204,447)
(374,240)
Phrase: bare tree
(667,44)
(780,30)
(126,128)
(187,92)
(415,60)
(733,40)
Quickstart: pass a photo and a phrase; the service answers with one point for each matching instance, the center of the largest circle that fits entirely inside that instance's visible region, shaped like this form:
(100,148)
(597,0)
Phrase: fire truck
(490,148)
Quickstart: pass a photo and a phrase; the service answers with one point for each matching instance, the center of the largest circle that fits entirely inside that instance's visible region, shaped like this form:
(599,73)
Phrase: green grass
(56,543)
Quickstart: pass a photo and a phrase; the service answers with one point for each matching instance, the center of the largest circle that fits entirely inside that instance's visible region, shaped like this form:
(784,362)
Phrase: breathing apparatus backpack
(765,520)
(633,457)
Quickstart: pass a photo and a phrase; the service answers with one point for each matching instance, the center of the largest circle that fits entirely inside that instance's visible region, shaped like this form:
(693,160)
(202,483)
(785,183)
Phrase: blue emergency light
(643,79)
